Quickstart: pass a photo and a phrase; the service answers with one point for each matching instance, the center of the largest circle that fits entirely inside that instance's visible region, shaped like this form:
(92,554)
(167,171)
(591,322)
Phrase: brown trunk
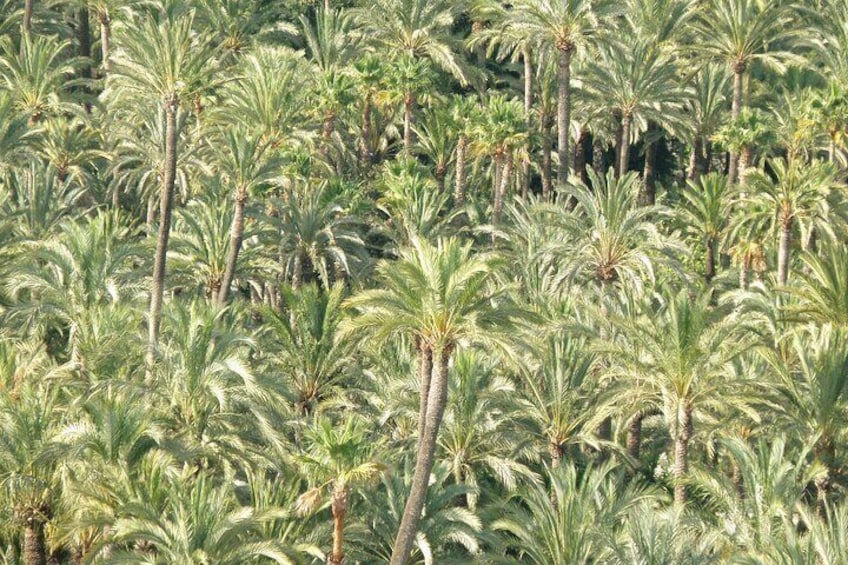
(681,453)
(500,196)
(580,157)
(696,168)
(783,249)
(425,370)
(327,132)
(563,111)
(424,461)
(744,269)
(710,269)
(547,158)
(736,109)
(409,103)
(84,40)
(341,497)
(597,155)
(105,40)
(365,150)
(634,436)
(624,151)
(236,235)
(459,181)
(35,552)
(649,171)
(169,173)
(26,26)
(556,452)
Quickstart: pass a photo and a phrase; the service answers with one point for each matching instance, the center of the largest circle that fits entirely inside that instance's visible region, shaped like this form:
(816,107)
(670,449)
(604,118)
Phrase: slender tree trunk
(500,196)
(528,109)
(634,436)
(547,158)
(736,109)
(624,152)
(497,172)
(783,250)
(710,268)
(84,40)
(681,453)
(580,157)
(424,462)
(169,173)
(425,370)
(459,181)
(35,552)
(26,26)
(341,497)
(563,111)
(744,269)
(556,452)
(236,236)
(695,161)
(597,155)
(409,103)
(105,40)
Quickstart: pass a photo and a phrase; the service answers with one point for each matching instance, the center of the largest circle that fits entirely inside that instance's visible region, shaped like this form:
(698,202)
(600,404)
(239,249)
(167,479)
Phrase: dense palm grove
(423,281)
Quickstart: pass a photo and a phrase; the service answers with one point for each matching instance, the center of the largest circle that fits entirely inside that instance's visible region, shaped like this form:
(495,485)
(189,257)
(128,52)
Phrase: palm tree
(740,33)
(706,216)
(801,196)
(413,30)
(168,61)
(821,292)
(704,109)
(677,361)
(440,295)
(564,28)
(567,522)
(340,457)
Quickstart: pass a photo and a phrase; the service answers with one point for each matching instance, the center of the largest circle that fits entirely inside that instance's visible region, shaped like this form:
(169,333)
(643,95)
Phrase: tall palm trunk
(26,26)
(783,249)
(681,453)
(597,154)
(547,152)
(409,102)
(710,268)
(634,436)
(105,40)
(436,401)
(341,497)
(365,138)
(696,163)
(624,150)
(236,236)
(425,371)
(649,170)
(502,189)
(459,180)
(556,452)
(169,174)
(564,53)
(528,109)
(736,109)
(580,157)
(35,552)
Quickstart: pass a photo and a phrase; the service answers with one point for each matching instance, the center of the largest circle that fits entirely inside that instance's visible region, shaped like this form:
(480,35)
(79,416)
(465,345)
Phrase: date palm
(740,33)
(706,216)
(821,292)
(165,63)
(440,295)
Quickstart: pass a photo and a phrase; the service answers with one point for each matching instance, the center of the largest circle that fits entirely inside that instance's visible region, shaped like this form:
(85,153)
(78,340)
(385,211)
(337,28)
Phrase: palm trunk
(105,40)
(556,452)
(341,496)
(500,195)
(681,453)
(459,181)
(624,151)
(35,552)
(696,168)
(597,155)
(436,402)
(84,40)
(365,150)
(169,173)
(425,370)
(580,157)
(744,269)
(26,26)
(634,436)
(736,109)
(649,171)
(547,158)
(563,111)
(710,269)
(528,108)
(327,130)
(783,250)
(408,109)
(236,236)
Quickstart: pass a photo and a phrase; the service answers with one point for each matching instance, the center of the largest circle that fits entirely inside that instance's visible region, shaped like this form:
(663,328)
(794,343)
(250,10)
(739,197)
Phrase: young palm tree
(339,458)
(704,110)
(441,296)
(168,61)
(821,292)
(706,216)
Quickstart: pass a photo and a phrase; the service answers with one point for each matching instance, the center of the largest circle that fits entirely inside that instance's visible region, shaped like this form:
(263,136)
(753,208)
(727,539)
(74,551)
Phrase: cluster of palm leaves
(423,281)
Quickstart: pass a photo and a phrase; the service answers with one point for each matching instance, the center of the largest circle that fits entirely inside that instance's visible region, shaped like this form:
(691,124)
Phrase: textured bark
(563,110)
(169,173)
(35,552)
(556,452)
(598,155)
(783,250)
(634,436)
(681,454)
(696,163)
(736,109)
(84,40)
(624,150)
(710,269)
(105,40)
(236,236)
(459,181)
(26,26)
(365,138)
(649,170)
(409,103)
(436,402)
(580,157)
(500,196)
(744,269)
(341,497)
(425,370)
(547,159)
